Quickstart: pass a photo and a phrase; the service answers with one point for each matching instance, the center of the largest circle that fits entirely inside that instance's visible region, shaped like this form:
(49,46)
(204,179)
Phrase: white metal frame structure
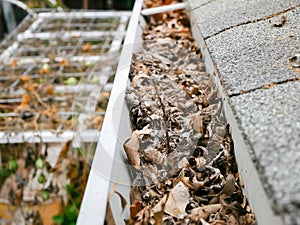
(63,34)
(109,168)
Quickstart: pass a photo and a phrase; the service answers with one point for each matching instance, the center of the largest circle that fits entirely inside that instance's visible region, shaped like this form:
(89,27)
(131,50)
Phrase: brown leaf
(205,211)
(86,47)
(295,61)
(158,217)
(132,147)
(64,62)
(197,122)
(232,220)
(153,155)
(227,190)
(250,218)
(194,183)
(229,185)
(218,222)
(65,149)
(46,210)
(135,208)
(123,200)
(25,78)
(177,200)
(26,99)
(142,217)
(30,87)
(268,86)
(203,222)
(50,90)
(109,219)
(280,23)
(160,206)
(13,63)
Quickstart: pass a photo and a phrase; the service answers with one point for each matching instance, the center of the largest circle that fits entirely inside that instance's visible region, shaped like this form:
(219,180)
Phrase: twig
(216,158)
(40,100)
(164,117)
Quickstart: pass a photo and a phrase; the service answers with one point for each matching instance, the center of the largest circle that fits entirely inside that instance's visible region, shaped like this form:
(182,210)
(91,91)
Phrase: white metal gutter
(108,166)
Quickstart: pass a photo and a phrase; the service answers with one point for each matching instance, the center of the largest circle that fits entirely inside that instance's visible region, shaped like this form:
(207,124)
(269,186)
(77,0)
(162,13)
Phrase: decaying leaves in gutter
(180,149)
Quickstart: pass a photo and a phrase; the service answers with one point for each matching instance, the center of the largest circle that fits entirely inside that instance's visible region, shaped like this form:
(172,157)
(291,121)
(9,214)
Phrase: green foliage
(45,195)
(44,4)
(41,178)
(58,219)
(39,163)
(12,165)
(4,173)
(70,213)
(71,81)
(72,191)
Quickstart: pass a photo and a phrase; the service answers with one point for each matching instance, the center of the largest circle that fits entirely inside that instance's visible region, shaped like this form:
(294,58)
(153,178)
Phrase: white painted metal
(46,136)
(85,14)
(87,93)
(68,35)
(161,9)
(108,166)
(22,6)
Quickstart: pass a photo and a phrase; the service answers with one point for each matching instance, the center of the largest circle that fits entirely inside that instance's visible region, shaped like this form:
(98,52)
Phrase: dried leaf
(197,122)
(25,78)
(231,220)
(205,211)
(114,191)
(142,217)
(123,200)
(13,63)
(30,87)
(136,189)
(26,99)
(64,62)
(65,149)
(160,206)
(158,217)
(132,147)
(229,185)
(181,106)
(153,155)
(86,47)
(280,23)
(135,208)
(109,219)
(194,183)
(45,69)
(203,222)
(295,61)
(250,218)
(227,190)
(50,90)
(177,200)
(218,222)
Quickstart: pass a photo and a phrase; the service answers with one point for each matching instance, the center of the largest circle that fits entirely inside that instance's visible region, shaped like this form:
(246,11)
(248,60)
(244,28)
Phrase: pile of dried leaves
(180,149)
(41,183)
(44,100)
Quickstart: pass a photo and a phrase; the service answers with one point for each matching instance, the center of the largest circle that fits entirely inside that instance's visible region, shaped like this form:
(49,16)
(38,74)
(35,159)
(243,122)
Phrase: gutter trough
(110,171)
(253,187)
